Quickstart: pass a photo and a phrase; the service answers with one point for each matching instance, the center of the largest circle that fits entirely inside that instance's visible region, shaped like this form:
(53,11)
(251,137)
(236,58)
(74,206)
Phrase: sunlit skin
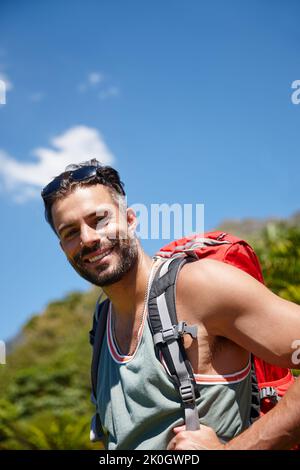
(77,223)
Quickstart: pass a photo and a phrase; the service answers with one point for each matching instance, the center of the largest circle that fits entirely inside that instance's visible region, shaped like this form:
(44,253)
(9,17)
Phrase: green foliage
(46,381)
(279,253)
(44,431)
(45,385)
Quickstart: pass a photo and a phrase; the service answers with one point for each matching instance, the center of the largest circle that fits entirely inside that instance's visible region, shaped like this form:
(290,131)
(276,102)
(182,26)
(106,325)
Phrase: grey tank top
(139,404)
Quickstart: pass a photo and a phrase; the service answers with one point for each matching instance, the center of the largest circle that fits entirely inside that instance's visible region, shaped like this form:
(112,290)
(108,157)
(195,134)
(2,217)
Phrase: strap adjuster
(169,334)
(269,392)
(175,332)
(187,394)
(183,328)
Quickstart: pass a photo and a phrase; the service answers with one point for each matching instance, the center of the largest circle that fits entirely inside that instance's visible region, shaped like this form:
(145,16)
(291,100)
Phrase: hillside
(45,386)
(251,229)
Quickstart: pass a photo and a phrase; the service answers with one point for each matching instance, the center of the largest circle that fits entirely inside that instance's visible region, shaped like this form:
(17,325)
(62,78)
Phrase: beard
(108,273)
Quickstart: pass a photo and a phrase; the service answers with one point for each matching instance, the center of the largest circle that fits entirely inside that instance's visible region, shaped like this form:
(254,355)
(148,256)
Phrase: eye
(102,218)
(70,234)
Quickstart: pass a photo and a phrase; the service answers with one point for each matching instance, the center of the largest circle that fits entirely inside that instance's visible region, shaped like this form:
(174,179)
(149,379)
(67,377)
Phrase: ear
(131,220)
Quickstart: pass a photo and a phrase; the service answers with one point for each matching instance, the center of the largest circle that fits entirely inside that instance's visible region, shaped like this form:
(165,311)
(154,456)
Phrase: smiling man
(136,400)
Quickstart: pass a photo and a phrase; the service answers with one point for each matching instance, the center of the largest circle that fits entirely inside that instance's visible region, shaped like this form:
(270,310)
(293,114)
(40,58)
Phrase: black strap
(255,394)
(96,339)
(167,335)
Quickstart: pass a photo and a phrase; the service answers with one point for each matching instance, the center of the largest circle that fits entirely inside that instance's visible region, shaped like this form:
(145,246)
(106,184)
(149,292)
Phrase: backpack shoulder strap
(167,335)
(96,339)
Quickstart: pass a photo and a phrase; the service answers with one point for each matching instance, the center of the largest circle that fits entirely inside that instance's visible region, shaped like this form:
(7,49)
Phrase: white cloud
(95,78)
(92,80)
(8,84)
(36,97)
(99,82)
(75,145)
(109,92)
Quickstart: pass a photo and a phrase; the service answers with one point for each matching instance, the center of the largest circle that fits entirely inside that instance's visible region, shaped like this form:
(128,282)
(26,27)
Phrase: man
(278,429)
(137,402)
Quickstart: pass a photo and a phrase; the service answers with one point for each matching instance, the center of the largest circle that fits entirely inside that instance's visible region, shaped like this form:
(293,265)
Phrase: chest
(209,354)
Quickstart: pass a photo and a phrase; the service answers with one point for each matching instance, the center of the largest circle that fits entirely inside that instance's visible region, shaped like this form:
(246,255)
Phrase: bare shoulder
(195,288)
(213,285)
(213,275)
(232,304)
(200,267)
(205,273)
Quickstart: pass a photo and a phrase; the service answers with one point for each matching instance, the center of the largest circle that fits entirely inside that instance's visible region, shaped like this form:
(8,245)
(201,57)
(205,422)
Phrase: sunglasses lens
(52,187)
(77,175)
(83,173)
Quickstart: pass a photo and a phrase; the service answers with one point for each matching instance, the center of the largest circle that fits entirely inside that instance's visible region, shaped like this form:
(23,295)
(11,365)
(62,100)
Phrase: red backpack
(273,381)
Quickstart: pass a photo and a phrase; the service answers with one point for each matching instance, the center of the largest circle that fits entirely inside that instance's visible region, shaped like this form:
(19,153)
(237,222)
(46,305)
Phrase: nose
(88,235)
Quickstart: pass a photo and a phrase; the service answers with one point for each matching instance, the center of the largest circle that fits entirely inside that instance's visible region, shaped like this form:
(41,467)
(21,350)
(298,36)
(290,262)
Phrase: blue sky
(189,100)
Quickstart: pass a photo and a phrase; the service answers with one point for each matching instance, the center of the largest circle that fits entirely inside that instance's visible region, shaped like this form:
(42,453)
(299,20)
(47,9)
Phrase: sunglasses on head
(79,174)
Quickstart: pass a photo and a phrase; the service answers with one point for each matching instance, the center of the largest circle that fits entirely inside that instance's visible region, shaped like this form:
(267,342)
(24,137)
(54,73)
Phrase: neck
(127,295)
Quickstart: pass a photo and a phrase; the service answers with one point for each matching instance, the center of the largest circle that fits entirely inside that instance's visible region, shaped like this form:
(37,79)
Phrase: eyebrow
(64,227)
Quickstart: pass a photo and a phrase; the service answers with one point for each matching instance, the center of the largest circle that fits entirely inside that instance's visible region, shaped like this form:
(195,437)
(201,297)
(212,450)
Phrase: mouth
(97,257)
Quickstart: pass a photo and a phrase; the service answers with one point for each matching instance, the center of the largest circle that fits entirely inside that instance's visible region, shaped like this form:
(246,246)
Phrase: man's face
(96,235)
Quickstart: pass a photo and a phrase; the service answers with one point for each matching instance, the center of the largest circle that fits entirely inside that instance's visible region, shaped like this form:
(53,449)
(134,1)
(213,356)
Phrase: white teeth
(96,258)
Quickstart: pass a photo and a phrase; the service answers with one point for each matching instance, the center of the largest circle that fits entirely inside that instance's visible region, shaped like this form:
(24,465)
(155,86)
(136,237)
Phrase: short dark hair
(105,175)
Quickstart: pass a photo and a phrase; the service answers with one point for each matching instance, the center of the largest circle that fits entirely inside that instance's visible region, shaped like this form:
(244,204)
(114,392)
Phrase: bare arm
(236,306)
(232,304)
(278,429)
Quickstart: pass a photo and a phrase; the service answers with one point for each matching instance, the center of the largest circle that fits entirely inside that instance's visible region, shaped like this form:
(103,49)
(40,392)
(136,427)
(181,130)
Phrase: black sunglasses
(80,174)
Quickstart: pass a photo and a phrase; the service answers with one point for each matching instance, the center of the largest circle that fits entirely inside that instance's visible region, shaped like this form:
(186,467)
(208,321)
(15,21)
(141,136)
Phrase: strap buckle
(169,334)
(183,328)
(175,332)
(187,394)
(269,392)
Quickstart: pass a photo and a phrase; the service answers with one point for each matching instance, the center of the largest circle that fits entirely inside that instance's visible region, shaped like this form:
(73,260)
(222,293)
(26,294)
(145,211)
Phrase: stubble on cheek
(114,234)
